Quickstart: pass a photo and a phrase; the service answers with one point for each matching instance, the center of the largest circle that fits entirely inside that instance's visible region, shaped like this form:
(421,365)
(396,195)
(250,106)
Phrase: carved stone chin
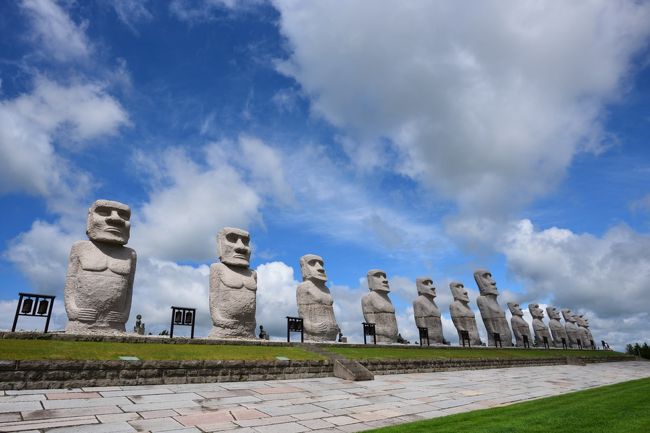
(462,315)
(520,327)
(99,281)
(494,318)
(315,303)
(233,288)
(378,309)
(426,312)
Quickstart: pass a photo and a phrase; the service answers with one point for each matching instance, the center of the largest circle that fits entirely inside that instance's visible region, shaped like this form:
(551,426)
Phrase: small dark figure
(139,326)
(342,339)
(263,334)
(605,345)
(401,339)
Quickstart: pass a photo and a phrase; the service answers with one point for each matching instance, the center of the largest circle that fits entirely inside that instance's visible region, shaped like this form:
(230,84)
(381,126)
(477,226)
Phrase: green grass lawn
(624,407)
(458,353)
(85,350)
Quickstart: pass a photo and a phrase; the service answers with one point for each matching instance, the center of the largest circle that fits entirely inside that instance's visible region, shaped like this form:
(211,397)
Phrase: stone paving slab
(298,405)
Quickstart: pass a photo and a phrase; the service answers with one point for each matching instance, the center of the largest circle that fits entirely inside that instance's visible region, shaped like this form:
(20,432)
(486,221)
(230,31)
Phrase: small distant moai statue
(519,326)
(315,303)
(557,330)
(426,312)
(571,328)
(494,318)
(263,334)
(233,287)
(378,309)
(342,339)
(583,331)
(539,327)
(462,315)
(99,282)
(139,325)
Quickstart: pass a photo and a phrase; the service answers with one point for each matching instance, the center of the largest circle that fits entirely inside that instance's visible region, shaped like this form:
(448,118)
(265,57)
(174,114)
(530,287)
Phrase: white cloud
(57,35)
(132,12)
(276,298)
(486,104)
(207,10)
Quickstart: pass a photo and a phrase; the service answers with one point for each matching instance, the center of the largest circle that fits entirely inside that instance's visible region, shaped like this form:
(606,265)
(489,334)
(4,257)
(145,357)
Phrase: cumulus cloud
(56,34)
(132,12)
(207,10)
(488,109)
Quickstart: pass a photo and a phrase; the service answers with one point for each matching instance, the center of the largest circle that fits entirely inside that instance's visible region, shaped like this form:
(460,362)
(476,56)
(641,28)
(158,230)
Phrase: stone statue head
(568,316)
(109,221)
(458,292)
(234,246)
(535,311)
(312,268)
(552,313)
(377,281)
(425,286)
(580,320)
(485,282)
(515,309)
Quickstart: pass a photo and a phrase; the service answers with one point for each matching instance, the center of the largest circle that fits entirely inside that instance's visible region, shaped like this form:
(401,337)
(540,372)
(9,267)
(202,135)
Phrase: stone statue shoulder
(376,303)
(309,293)
(93,258)
(423,307)
(458,309)
(234,277)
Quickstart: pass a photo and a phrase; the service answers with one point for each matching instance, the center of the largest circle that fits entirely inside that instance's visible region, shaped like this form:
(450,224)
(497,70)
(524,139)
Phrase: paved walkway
(287,406)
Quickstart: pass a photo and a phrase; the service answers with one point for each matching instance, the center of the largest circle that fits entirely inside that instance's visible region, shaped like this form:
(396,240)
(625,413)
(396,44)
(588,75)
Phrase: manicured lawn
(458,353)
(53,349)
(624,407)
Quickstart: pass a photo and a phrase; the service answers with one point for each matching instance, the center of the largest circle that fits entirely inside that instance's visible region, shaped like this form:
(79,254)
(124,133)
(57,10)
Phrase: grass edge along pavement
(622,407)
(29,349)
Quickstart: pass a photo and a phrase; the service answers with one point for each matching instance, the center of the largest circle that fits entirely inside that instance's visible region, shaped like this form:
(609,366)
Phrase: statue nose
(114,218)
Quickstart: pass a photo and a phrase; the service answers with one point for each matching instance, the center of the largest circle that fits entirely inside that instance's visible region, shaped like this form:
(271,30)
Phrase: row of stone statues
(99,287)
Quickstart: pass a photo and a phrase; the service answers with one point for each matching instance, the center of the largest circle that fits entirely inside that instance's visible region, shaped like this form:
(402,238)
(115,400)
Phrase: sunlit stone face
(553,314)
(109,221)
(568,316)
(311,267)
(458,291)
(515,309)
(535,311)
(234,246)
(377,281)
(425,287)
(485,282)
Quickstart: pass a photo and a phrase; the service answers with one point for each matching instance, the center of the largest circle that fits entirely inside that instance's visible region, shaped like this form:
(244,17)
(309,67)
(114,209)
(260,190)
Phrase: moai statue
(571,328)
(139,325)
(315,301)
(426,312)
(233,287)
(494,318)
(583,331)
(99,283)
(263,334)
(462,315)
(539,327)
(557,330)
(378,309)
(519,326)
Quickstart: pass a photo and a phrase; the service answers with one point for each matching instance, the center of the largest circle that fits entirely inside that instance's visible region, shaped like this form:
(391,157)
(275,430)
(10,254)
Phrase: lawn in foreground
(86,350)
(460,353)
(624,407)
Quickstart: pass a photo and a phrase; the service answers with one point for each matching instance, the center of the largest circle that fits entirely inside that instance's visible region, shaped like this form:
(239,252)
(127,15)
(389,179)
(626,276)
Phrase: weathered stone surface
(583,330)
(233,287)
(349,369)
(462,315)
(494,318)
(378,309)
(99,281)
(426,312)
(520,327)
(557,330)
(315,303)
(571,328)
(539,327)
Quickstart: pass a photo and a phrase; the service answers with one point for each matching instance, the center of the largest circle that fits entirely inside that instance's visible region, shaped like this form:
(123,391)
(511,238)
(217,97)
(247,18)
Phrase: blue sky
(425,140)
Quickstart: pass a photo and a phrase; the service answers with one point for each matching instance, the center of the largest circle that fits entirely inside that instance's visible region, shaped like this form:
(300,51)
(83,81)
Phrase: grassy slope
(433,353)
(624,407)
(52,349)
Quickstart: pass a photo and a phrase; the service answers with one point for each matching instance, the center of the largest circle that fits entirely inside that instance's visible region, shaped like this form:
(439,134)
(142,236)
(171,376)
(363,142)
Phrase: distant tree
(164,332)
(637,349)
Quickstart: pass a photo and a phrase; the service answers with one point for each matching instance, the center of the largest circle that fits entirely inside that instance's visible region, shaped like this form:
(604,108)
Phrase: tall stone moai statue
(571,328)
(315,303)
(462,315)
(426,312)
(539,327)
(378,309)
(99,282)
(583,327)
(519,326)
(233,287)
(494,318)
(557,330)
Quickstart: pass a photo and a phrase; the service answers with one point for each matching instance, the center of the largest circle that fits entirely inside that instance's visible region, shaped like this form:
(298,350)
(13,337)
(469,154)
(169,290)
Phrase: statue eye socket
(123,214)
(245,240)
(102,211)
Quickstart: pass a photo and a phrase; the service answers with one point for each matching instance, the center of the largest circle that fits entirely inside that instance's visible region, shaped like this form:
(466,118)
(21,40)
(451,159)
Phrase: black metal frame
(497,339)
(369,329)
(579,343)
(34,309)
(526,342)
(182,321)
(564,345)
(464,336)
(295,324)
(593,345)
(424,335)
(545,342)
